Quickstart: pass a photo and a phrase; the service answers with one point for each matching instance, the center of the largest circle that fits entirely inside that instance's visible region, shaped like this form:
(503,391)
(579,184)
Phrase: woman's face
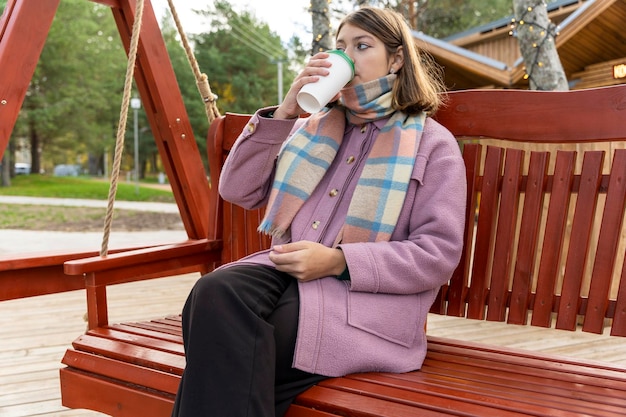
(370,57)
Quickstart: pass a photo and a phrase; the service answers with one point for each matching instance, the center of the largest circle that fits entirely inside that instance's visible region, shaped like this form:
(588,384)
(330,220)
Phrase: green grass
(81,187)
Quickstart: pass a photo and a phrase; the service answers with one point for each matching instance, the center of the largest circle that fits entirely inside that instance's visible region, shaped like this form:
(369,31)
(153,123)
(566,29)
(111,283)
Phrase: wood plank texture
(35,333)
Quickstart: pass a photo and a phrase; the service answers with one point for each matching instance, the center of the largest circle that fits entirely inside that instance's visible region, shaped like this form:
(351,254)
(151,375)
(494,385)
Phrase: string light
(547,34)
(324,12)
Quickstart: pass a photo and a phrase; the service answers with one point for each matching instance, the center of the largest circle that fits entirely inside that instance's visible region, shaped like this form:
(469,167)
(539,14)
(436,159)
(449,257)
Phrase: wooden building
(591,43)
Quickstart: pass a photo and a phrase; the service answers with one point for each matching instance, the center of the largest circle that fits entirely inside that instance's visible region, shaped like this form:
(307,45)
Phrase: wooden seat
(544,246)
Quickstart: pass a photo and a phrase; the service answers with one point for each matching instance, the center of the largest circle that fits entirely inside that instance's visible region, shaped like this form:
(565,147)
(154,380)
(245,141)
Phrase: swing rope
(121,128)
(202,80)
(204,88)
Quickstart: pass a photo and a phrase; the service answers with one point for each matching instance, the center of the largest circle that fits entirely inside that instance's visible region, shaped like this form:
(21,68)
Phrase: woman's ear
(397,59)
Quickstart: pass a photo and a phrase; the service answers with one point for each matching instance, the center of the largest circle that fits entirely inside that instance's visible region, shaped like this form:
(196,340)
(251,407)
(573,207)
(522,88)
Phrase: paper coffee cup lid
(344,56)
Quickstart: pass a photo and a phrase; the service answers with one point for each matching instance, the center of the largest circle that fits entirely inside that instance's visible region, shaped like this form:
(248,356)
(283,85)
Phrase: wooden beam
(24,27)
(162,101)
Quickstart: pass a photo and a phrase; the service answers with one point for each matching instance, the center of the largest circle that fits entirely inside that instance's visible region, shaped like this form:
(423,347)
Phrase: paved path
(74,202)
(27,241)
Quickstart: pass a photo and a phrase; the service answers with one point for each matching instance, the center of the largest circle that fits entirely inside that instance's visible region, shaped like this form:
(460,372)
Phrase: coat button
(363,128)
(333,192)
(350,160)
(250,127)
(315,224)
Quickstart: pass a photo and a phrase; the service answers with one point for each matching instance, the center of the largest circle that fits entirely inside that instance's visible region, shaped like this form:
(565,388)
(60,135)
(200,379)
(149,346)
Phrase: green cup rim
(344,56)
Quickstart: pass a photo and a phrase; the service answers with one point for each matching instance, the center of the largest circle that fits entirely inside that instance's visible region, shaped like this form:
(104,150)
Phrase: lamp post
(135,104)
(279,68)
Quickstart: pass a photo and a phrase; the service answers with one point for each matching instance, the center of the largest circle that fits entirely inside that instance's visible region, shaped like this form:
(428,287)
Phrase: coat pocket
(391,317)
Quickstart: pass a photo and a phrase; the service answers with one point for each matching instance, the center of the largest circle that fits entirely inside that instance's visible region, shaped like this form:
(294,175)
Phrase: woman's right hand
(316,67)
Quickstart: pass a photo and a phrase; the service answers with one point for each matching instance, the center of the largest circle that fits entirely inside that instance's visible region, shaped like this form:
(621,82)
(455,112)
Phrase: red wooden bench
(544,247)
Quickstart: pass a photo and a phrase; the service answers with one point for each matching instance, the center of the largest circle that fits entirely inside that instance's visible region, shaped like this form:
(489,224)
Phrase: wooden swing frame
(24,27)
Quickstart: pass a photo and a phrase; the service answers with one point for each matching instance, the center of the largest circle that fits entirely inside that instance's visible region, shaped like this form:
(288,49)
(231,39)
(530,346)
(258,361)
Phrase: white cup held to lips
(313,96)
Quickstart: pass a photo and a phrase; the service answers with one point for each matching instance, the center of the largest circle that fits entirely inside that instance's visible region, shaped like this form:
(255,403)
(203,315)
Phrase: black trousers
(239,330)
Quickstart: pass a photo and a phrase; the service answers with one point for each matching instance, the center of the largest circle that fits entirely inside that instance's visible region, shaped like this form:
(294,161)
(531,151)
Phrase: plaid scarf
(380,191)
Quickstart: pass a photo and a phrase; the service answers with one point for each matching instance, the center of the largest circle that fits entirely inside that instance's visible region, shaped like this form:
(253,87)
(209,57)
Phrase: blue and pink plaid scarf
(379,195)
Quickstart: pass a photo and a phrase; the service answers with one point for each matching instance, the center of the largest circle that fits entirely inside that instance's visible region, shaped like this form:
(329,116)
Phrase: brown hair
(420,83)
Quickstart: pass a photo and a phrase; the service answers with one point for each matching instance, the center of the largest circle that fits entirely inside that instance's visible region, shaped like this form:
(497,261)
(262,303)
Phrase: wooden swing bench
(544,246)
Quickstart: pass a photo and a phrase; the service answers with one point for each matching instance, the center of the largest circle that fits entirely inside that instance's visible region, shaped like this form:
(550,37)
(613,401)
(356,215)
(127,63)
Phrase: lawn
(34,217)
(82,187)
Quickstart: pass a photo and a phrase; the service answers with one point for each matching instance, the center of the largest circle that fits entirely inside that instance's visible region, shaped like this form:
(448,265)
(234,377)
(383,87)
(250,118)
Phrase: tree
(320,16)
(240,55)
(536,33)
(441,18)
(72,104)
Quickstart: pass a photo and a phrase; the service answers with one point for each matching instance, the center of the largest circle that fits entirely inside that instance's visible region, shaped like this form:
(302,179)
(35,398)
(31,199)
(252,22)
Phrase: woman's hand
(316,67)
(307,261)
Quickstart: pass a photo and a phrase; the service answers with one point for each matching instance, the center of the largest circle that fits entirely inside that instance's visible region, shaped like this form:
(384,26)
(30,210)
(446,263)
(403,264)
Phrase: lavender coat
(375,321)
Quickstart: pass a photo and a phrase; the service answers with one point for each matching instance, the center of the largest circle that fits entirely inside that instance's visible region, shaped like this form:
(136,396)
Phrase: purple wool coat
(375,321)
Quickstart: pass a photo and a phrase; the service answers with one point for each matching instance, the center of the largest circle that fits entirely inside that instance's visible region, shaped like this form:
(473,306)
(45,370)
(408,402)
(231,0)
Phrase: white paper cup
(313,96)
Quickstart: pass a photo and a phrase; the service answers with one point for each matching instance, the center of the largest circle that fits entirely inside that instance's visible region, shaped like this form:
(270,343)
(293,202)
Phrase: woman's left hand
(307,260)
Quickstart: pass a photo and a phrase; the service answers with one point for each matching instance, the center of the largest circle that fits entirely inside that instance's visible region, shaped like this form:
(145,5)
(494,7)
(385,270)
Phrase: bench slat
(520,362)
(112,398)
(149,330)
(535,395)
(528,238)
(498,393)
(608,242)
(439,399)
(135,339)
(132,353)
(525,388)
(355,404)
(299,411)
(121,371)
(580,238)
(556,219)
(157,326)
(505,236)
(486,224)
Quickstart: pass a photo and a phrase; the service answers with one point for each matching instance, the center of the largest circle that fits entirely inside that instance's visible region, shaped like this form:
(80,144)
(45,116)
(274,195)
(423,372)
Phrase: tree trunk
(6,170)
(535,33)
(35,160)
(320,15)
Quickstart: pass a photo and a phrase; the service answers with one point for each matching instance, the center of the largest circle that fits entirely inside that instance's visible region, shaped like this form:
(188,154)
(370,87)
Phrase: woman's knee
(215,282)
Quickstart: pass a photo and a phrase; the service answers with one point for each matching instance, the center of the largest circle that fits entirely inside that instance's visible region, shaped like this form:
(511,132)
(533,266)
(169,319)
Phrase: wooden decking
(35,332)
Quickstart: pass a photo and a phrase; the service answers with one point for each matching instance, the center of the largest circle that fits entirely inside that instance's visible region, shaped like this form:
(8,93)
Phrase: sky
(284,17)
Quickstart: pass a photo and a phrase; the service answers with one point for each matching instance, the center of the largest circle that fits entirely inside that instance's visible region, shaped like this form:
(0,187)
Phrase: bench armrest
(40,273)
(161,259)
(197,255)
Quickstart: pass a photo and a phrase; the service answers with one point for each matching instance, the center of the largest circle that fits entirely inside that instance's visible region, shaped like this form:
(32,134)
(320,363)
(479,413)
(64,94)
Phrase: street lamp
(135,104)
(279,68)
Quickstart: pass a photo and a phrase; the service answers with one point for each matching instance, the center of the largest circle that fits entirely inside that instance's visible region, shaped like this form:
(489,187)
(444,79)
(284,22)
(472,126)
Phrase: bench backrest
(544,232)
(544,229)
(235,225)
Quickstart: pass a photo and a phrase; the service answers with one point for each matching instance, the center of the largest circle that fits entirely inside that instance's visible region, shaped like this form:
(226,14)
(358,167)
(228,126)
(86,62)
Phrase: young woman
(366,207)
